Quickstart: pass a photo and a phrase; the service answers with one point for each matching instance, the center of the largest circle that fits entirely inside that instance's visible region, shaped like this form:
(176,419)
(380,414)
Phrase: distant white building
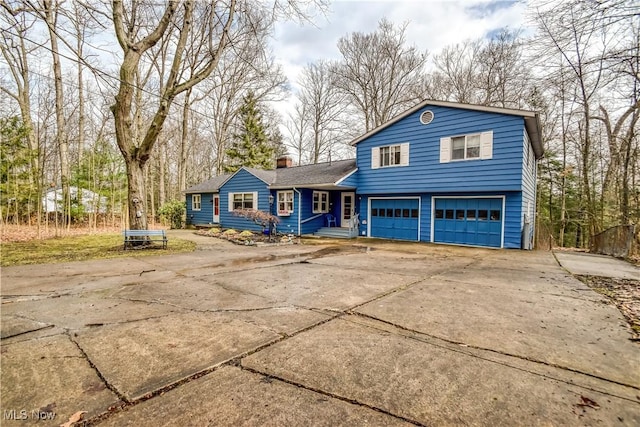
(91,202)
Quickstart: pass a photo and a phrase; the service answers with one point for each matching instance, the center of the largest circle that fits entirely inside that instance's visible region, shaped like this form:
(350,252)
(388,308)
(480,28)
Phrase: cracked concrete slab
(231,396)
(313,286)
(193,294)
(582,335)
(50,376)
(70,282)
(390,262)
(430,384)
(11,325)
(283,320)
(90,309)
(147,355)
(597,265)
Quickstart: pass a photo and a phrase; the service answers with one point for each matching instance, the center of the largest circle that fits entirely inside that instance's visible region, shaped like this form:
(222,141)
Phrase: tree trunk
(137,196)
(184,143)
(61,133)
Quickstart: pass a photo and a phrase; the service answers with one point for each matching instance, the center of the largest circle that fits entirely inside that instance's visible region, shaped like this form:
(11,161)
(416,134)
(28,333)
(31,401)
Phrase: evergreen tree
(251,147)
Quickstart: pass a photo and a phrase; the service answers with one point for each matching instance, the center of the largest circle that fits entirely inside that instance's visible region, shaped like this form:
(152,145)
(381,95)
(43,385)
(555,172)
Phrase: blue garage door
(395,219)
(476,222)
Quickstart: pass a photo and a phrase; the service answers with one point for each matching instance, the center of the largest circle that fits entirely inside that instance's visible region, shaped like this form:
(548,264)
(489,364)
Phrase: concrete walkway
(355,334)
(586,264)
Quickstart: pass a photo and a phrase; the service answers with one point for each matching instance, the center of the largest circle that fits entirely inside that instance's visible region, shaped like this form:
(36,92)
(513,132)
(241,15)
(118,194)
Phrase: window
(320,202)
(196,202)
(465,147)
(285,203)
(242,201)
(390,155)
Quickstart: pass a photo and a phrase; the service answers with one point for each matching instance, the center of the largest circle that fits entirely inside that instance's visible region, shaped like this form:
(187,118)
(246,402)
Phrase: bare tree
(378,73)
(175,26)
(51,9)
(323,104)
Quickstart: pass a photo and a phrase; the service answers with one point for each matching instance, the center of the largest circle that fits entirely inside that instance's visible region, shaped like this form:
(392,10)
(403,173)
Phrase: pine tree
(251,147)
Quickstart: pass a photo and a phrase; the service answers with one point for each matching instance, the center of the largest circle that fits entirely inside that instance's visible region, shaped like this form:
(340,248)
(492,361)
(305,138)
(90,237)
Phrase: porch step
(341,233)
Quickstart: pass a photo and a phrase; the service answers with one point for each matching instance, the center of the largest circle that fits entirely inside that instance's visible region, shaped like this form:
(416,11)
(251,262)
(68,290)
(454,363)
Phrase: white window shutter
(375,158)
(256,203)
(230,202)
(486,145)
(445,150)
(404,154)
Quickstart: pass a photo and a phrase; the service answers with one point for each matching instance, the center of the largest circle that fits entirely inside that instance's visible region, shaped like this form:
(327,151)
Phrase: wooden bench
(134,238)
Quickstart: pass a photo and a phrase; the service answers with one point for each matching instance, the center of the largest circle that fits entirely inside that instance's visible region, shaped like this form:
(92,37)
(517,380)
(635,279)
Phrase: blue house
(441,172)
(317,198)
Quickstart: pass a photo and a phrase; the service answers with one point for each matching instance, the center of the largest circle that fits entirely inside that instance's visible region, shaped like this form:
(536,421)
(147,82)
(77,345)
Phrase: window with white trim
(196,202)
(390,155)
(285,203)
(467,147)
(320,202)
(242,201)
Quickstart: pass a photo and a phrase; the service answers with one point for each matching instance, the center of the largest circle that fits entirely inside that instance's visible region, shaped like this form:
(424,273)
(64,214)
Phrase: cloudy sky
(432,24)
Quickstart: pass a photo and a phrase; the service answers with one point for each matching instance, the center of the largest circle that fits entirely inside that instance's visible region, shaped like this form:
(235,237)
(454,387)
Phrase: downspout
(299,209)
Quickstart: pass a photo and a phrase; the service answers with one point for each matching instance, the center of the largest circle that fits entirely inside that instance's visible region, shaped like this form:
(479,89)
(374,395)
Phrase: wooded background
(186,90)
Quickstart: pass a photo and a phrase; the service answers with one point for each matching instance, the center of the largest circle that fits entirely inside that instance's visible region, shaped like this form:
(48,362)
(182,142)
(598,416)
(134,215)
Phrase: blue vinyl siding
(350,181)
(242,182)
(287,224)
(425,173)
(205,215)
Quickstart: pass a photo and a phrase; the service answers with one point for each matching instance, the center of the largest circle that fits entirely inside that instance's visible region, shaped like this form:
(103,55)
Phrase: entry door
(348,208)
(216,209)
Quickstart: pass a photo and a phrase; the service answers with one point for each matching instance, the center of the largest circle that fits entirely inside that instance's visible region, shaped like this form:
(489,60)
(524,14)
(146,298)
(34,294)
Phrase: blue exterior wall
(309,222)
(242,182)
(425,173)
(287,224)
(205,214)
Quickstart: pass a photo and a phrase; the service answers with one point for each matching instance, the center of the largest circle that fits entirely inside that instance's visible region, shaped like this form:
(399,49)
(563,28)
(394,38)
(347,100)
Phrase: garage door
(476,222)
(395,218)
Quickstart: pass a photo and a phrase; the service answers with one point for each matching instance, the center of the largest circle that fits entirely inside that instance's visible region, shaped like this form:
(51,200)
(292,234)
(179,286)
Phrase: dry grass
(79,245)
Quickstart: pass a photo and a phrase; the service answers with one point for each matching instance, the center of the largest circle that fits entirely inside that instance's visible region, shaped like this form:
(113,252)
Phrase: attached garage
(468,221)
(394,218)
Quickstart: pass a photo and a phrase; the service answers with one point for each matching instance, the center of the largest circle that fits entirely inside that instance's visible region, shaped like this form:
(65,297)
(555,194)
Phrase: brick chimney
(284,162)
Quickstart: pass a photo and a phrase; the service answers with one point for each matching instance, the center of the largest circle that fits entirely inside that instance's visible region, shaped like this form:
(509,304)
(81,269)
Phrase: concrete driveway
(367,334)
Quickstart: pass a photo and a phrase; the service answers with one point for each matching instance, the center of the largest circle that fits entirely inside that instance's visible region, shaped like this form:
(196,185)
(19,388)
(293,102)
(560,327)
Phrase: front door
(216,209)
(348,208)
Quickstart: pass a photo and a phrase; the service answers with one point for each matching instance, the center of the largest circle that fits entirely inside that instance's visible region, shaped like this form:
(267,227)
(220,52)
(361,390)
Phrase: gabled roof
(210,186)
(314,175)
(268,176)
(531,120)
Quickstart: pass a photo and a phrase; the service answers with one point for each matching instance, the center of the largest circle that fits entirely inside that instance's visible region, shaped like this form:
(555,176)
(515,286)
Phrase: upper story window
(390,155)
(196,202)
(285,203)
(320,202)
(466,147)
(242,201)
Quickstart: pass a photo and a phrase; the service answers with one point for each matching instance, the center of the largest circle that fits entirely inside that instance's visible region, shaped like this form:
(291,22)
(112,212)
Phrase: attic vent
(426,117)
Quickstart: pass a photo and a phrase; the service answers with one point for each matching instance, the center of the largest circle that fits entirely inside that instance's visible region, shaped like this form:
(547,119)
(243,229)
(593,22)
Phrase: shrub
(173,212)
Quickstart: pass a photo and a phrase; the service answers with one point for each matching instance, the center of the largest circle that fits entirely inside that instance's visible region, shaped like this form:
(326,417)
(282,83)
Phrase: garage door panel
(395,218)
(470,221)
